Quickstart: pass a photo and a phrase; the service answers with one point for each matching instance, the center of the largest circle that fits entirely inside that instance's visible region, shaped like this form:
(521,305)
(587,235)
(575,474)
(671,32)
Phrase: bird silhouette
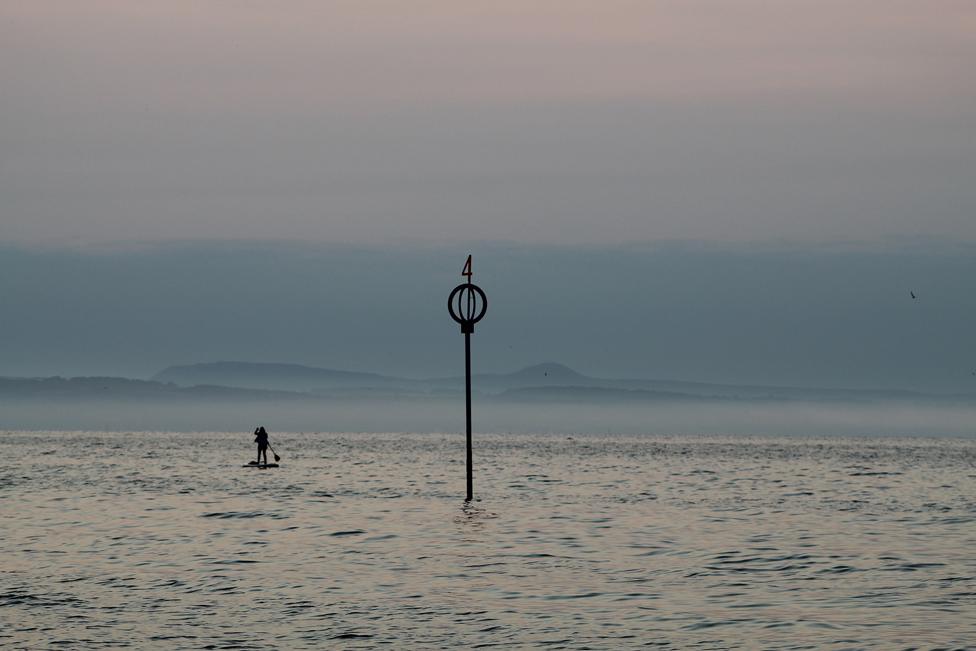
(913,294)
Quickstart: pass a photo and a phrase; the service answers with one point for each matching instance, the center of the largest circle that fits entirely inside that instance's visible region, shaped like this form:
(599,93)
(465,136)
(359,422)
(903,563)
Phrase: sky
(734,190)
(737,313)
(556,122)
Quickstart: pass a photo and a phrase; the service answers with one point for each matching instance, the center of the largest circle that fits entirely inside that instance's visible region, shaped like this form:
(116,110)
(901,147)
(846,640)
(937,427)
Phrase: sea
(364,541)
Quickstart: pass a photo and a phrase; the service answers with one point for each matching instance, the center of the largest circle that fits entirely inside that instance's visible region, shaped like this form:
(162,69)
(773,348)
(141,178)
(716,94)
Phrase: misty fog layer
(745,418)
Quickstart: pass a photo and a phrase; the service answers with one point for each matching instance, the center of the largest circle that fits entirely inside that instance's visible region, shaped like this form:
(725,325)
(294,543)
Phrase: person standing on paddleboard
(261,438)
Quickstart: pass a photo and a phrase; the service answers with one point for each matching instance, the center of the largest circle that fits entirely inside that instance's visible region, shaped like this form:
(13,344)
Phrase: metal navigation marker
(467,305)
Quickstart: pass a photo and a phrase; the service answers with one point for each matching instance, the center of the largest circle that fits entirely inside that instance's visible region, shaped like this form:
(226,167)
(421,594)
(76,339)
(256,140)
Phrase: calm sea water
(158,540)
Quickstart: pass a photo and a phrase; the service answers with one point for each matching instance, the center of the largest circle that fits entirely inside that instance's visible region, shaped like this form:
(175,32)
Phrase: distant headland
(545,382)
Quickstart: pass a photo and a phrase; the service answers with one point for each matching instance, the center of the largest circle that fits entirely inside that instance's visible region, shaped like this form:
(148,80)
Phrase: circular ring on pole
(469,297)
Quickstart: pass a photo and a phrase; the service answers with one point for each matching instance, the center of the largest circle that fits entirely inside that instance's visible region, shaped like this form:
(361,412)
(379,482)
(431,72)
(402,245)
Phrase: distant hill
(282,377)
(578,394)
(547,382)
(296,377)
(124,389)
(551,376)
(549,372)
(537,375)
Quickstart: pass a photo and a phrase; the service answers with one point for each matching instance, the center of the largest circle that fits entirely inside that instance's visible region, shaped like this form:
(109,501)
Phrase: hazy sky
(557,122)
(585,139)
(839,317)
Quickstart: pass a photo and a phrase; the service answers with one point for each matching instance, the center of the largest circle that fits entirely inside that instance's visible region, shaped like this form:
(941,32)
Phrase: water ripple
(594,542)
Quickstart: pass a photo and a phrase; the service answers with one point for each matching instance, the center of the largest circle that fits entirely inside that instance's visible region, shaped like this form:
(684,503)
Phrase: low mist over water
(163,540)
(660,418)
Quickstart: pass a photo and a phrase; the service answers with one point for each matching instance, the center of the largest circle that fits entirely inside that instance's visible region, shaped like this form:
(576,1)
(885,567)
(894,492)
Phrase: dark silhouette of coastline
(548,382)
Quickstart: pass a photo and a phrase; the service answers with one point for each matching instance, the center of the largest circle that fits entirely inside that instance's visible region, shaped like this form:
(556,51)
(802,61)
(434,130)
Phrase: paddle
(277,458)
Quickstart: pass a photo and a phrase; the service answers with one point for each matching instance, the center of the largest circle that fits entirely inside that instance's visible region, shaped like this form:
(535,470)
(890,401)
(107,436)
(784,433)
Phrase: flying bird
(913,294)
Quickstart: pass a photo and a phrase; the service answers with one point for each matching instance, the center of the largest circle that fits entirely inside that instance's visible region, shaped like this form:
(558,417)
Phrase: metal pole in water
(467,404)
(470,308)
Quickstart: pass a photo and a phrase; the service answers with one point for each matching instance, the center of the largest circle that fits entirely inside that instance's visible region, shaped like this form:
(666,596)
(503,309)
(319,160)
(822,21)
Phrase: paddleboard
(260,465)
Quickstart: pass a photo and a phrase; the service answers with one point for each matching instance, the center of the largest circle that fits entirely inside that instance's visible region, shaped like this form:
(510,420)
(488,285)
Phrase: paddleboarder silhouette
(261,438)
